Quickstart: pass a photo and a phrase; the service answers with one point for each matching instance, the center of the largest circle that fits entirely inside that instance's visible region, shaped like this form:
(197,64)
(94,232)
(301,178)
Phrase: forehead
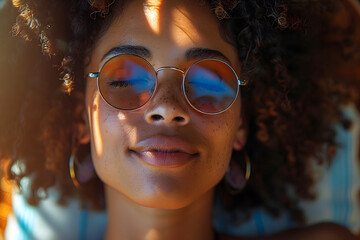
(167,24)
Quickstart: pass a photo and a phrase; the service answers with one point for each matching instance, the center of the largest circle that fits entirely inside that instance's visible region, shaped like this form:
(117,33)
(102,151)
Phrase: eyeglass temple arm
(93,74)
(242,83)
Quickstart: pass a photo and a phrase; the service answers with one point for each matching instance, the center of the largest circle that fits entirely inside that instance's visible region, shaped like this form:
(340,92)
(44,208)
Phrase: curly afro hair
(298,58)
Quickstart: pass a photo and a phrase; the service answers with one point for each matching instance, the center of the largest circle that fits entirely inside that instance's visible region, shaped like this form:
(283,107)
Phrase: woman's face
(165,154)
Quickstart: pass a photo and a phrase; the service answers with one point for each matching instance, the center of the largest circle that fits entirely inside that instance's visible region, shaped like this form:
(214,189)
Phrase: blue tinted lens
(211,86)
(127,82)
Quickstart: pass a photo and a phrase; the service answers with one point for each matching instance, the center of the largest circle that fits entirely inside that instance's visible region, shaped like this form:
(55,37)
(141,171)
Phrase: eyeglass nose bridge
(170,68)
(240,82)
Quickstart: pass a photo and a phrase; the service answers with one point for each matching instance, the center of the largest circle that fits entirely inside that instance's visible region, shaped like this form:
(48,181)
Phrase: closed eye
(136,84)
(118,84)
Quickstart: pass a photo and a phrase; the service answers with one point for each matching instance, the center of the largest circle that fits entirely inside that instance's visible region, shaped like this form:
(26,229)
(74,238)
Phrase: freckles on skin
(104,121)
(222,126)
(114,162)
(115,132)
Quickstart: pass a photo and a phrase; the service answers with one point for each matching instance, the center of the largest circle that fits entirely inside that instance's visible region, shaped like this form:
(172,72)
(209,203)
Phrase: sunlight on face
(96,127)
(151,10)
(153,234)
(121,116)
(121,139)
(181,21)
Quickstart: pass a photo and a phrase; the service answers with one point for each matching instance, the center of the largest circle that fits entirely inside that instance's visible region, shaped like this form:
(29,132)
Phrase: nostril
(157,117)
(179,119)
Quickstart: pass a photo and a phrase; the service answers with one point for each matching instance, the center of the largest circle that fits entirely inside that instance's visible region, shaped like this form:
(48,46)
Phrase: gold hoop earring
(81,172)
(236,183)
(72,167)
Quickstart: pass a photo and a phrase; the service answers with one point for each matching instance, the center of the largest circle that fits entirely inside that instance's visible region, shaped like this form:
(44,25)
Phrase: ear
(81,128)
(241,135)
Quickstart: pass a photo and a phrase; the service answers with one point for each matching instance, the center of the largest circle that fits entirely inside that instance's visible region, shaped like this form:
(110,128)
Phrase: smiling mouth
(165,151)
(166,158)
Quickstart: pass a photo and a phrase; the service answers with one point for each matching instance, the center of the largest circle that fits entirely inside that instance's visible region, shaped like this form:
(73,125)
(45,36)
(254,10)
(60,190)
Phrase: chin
(164,202)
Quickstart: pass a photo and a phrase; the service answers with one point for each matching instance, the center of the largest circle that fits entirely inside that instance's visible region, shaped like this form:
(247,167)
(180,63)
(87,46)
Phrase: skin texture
(171,201)
(115,132)
(130,211)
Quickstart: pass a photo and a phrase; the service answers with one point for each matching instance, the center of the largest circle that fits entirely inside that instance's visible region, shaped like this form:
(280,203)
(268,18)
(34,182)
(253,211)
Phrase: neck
(128,220)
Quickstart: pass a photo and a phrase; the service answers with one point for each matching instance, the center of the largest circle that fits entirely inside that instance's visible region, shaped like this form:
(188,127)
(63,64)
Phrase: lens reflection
(127,82)
(210,86)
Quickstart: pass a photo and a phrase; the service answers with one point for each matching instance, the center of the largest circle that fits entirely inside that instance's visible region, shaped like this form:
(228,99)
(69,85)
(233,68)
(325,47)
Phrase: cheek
(110,135)
(109,127)
(219,134)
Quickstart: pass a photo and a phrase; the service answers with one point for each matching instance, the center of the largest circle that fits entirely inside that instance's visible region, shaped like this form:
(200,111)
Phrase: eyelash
(118,84)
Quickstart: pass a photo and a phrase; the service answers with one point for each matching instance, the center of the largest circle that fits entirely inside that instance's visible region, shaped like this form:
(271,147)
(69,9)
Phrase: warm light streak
(181,22)
(129,129)
(96,126)
(152,14)
(121,116)
(152,234)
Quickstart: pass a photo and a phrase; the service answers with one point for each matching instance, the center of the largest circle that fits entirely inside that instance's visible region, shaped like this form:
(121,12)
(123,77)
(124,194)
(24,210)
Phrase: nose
(168,106)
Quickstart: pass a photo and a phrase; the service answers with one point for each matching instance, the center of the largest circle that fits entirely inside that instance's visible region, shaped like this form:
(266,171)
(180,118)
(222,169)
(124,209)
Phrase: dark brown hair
(295,92)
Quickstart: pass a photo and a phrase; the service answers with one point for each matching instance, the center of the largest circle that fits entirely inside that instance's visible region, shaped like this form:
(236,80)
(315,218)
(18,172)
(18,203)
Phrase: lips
(165,151)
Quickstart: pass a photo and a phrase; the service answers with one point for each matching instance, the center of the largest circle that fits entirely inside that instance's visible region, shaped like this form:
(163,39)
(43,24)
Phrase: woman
(147,94)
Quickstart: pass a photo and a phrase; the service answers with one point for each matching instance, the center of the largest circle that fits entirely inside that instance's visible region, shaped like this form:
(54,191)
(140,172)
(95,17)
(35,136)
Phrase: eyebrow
(190,54)
(194,53)
(128,49)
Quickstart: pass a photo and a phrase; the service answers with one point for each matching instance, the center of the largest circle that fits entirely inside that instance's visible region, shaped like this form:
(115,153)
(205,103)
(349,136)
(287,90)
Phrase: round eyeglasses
(127,82)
